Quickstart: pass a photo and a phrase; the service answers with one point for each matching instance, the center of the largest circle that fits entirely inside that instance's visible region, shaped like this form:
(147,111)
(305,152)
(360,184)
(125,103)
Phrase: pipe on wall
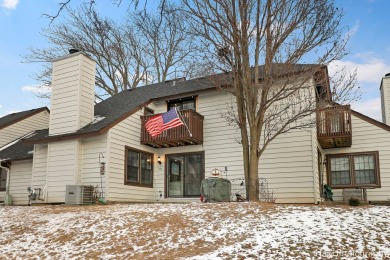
(6,200)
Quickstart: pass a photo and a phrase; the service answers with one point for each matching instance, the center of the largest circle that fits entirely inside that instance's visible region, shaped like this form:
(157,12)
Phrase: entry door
(175,177)
(184,175)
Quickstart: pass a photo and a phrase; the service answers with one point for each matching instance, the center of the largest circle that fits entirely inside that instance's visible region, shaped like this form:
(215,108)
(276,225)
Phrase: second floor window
(182,104)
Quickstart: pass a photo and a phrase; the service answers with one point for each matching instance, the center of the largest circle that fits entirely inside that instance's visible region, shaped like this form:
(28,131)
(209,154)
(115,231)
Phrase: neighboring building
(13,127)
(171,166)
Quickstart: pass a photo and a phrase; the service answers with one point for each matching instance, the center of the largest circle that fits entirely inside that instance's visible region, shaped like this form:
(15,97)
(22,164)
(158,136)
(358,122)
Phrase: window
(182,104)
(138,168)
(360,170)
(3,179)
(321,91)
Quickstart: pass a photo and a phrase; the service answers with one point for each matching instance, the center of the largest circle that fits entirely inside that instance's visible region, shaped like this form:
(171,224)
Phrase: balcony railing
(189,134)
(334,127)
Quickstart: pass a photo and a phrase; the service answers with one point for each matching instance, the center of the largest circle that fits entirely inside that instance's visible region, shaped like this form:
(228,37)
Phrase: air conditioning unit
(79,194)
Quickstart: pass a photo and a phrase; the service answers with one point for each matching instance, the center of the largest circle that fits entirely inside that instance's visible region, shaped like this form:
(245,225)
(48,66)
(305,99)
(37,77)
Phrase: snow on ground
(195,231)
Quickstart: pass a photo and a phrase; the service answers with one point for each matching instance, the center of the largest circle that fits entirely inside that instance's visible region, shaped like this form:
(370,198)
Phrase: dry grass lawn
(195,231)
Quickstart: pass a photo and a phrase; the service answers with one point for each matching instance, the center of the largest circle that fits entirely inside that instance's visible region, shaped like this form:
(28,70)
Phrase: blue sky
(21,22)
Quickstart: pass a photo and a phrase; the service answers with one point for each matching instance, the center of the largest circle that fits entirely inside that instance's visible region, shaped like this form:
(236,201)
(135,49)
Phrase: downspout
(6,199)
(315,168)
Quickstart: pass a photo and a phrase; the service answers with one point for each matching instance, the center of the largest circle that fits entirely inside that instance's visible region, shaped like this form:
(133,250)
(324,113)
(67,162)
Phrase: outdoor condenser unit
(79,194)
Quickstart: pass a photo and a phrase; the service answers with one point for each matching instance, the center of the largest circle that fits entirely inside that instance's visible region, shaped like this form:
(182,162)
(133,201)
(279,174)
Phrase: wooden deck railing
(334,126)
(177,136)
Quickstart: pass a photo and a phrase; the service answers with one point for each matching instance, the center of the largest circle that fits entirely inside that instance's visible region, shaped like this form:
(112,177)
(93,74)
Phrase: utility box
(79,194)
(8,200)
(215,189)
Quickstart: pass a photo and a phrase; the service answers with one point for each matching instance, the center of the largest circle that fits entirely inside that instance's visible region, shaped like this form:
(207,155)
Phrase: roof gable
(19,116)
(370,120)
(122,105)
(18,149)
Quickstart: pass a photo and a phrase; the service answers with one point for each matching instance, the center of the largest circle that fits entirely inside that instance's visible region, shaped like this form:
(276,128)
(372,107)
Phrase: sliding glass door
(185,173)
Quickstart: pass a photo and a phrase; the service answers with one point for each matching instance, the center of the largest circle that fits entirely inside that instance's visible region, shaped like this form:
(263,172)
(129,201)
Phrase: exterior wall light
(159,160)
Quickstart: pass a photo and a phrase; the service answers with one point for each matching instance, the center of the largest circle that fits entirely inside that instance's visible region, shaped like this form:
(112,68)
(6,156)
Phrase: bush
(354,202)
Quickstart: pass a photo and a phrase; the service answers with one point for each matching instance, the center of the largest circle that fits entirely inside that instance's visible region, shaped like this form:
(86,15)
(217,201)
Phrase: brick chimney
(72,97)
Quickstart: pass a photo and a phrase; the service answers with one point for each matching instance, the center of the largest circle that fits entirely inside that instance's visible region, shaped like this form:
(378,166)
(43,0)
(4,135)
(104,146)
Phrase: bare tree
(277,96)
(165,35)
(262,43)
(145,49)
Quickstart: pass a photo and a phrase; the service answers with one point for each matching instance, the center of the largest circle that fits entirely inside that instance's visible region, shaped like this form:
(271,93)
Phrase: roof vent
(71,51)
(177,79)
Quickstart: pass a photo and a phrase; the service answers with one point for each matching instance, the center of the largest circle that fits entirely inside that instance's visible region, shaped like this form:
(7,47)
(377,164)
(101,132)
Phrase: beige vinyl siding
(368,137)
(90,168)
(337,194)
(62,168)
(67,166)
(20,179)
(72,98)
(126,133)
(23,127)
(39,169)
(287,163)
(288,166)
(219,150)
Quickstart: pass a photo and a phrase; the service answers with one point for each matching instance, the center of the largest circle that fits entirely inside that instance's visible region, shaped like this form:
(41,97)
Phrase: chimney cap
(71,51)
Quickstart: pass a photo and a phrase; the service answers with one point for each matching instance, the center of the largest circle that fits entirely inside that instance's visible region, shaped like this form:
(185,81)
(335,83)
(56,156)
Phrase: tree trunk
(253,175)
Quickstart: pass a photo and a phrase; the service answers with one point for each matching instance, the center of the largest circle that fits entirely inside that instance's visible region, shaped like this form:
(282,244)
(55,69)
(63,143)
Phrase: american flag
(157,124)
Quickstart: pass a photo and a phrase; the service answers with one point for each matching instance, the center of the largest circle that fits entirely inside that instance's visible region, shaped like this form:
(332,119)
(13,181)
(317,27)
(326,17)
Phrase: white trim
(8,180)
(314,165)
(16,140)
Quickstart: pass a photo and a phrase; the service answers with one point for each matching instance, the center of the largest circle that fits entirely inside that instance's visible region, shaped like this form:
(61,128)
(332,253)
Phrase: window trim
(178,100)
(6,176)
(138,184)
(352,173)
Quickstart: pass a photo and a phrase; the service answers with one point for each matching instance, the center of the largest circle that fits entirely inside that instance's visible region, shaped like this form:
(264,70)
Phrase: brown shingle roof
(127,102)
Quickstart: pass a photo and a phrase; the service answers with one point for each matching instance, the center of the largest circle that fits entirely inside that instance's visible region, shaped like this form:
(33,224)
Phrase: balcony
(334,127)
(191,134)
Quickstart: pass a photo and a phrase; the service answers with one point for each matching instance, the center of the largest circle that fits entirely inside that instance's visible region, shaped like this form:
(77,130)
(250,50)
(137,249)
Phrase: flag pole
(184,122)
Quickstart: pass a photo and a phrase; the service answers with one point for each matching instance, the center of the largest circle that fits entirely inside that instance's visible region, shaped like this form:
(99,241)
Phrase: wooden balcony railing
(334,126)
(177,136)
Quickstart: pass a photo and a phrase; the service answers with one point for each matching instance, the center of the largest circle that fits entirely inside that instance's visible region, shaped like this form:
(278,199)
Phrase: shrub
(354,202)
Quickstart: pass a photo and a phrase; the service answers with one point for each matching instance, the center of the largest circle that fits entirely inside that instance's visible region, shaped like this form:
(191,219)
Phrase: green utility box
(215,190)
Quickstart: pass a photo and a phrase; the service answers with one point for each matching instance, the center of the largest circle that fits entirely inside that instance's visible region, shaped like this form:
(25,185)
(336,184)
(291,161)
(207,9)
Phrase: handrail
(334,121)
(180,135)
